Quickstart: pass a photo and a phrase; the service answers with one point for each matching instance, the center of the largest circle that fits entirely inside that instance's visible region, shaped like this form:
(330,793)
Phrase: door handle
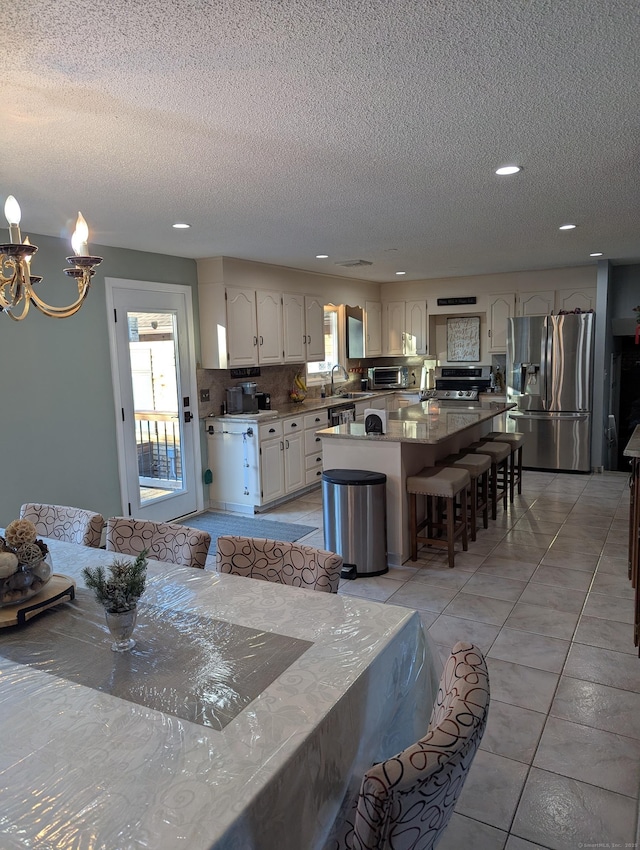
(188,416)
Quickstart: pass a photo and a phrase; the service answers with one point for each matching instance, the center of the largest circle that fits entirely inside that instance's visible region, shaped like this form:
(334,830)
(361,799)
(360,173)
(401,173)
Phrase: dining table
(243,716)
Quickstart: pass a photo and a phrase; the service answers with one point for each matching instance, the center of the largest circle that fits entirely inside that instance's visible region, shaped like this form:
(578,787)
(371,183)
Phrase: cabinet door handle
(286,442)
(318,419)
(261,340)
(294,424)
(309,340)
(255,340)
(318,459)
(317,439)
(304,339)
(272,430)
(281,446)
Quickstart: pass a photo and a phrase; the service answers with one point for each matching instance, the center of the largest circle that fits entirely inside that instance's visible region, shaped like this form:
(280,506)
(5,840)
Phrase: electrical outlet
(204,395)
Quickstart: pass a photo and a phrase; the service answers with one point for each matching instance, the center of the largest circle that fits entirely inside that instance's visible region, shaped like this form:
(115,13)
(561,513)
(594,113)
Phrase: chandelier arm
(60,312)
(26,303)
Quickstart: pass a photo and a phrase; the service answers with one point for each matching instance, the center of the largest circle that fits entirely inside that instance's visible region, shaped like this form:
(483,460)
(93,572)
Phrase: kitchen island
(417,436)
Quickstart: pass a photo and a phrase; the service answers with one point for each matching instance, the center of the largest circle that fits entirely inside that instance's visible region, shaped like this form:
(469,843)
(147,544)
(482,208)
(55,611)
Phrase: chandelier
(17,282)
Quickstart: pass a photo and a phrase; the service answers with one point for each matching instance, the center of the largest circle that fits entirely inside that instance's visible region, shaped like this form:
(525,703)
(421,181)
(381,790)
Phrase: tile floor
(544,593)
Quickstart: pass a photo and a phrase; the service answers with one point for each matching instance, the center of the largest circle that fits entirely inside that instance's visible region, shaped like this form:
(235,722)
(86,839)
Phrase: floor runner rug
(217,523)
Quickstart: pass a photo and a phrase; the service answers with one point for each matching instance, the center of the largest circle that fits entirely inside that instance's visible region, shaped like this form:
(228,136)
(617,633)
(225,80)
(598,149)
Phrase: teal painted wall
(57,439)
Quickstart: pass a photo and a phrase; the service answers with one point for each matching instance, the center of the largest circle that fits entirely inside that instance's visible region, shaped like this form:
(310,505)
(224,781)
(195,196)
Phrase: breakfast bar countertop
(424,422)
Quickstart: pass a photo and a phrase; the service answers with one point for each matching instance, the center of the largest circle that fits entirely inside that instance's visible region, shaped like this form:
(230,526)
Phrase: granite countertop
(422,423)
(308,406)
(632,449)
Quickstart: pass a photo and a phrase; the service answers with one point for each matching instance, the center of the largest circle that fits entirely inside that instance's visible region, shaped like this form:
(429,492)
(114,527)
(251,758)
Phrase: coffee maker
(249,400)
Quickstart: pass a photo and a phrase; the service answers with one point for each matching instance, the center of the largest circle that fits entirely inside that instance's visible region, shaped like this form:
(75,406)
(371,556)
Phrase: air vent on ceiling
(349,264)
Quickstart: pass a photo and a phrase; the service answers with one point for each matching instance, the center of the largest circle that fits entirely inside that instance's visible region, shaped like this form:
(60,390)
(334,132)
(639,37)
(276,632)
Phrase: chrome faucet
(344,372)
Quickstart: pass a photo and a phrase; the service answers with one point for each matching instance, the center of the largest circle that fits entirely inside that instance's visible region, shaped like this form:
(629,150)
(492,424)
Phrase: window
(318,373)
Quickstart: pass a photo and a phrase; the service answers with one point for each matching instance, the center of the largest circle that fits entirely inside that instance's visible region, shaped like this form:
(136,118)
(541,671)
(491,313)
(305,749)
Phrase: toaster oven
(388,377)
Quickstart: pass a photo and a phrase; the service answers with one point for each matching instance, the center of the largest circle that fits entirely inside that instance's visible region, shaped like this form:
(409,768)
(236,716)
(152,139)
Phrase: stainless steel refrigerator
(549,377)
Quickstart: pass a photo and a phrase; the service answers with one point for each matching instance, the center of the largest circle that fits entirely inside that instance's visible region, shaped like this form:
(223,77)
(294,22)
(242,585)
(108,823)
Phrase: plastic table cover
(84,764)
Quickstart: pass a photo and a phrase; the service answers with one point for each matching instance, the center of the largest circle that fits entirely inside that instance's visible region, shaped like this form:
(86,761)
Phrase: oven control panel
(456,395)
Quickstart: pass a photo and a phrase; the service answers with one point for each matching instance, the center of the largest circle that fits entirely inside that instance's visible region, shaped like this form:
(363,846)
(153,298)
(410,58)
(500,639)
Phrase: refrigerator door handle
(548,415)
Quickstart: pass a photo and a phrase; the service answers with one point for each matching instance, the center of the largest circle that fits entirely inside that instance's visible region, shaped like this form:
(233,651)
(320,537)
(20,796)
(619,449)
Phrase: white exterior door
(151,340)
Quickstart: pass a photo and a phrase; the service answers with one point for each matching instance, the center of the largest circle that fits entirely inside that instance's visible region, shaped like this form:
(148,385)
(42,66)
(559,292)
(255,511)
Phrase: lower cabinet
(293,437)
(313,446)
(271,454)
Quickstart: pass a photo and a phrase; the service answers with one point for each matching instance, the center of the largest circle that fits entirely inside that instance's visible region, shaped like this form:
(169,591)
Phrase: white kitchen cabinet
(313,445)
(576,299)
(254,327)
(501,306)
(269,315)
(393,322)
(314,327)
(271,462)
(405,327)
(303,328)
(294,470)
(242,327)
(536,303)
(415,335)
(372,329)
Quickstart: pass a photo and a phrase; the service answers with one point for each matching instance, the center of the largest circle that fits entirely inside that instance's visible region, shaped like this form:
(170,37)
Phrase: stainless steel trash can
(354,511)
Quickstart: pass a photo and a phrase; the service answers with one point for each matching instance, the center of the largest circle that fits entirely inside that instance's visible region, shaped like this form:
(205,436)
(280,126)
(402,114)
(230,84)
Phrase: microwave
(388,377)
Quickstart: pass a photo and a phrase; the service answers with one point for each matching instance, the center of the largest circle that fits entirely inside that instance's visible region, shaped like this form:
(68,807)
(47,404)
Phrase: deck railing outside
(158,442)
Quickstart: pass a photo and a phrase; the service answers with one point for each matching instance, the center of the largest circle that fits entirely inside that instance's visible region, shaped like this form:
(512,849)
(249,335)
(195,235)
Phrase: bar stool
(515,441)
(499,477)
(478,466)
(442,486)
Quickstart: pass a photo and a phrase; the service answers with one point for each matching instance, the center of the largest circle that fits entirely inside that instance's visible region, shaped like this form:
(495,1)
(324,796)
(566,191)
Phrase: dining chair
(284,563)
(407,800)
(164,541)
(73,525)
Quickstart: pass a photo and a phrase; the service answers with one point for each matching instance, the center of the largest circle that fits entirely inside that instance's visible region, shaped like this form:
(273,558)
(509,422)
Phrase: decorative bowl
(25,582)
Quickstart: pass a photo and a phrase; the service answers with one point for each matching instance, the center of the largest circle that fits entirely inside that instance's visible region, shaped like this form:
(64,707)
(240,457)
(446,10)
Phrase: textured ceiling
(359,129)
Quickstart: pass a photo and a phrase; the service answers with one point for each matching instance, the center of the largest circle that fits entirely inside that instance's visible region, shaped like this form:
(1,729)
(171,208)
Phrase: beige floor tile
(485,584)
(570,560)
(507,567)
(612,585)
(482,609)
(590,755)
(599,706)
(563,814)
(550,596)
(465,832)
(609,608)
(605,634)
(423,596)
(542,621)
(522,686)
(512,732)
(447,631)
(604,666)
(379,588)
(441,576)
(560,577)
(538,651)
(492,789)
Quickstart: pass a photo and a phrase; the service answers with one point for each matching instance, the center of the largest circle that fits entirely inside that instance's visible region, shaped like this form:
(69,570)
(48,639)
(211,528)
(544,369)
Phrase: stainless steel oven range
(461,383)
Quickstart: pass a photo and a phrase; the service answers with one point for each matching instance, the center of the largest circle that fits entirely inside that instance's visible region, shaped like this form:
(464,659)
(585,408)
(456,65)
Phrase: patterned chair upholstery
(73,525)
(283,563)
(406,801)
(164,541)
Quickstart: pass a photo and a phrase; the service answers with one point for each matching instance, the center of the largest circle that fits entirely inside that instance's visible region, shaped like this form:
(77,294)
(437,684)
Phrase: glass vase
(121,625)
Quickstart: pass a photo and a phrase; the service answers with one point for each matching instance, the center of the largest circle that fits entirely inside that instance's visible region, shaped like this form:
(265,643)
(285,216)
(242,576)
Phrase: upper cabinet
(404,327)
(556,300)
(536,303)
(372,329)
(501,306)
(269,314)
(242,327)
(303,328)
(576,299)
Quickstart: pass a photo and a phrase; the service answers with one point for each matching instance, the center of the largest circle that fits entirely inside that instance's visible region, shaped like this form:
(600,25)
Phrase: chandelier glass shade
(17,291)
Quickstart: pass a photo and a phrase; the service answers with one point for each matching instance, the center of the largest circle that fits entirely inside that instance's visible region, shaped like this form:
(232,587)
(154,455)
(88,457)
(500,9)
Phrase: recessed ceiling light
(400,272)
(181,225)
(508,169)
(596,254)
(567,227)
(322,256)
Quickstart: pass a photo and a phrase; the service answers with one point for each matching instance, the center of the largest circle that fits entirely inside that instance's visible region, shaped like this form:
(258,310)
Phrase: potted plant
(119,592)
